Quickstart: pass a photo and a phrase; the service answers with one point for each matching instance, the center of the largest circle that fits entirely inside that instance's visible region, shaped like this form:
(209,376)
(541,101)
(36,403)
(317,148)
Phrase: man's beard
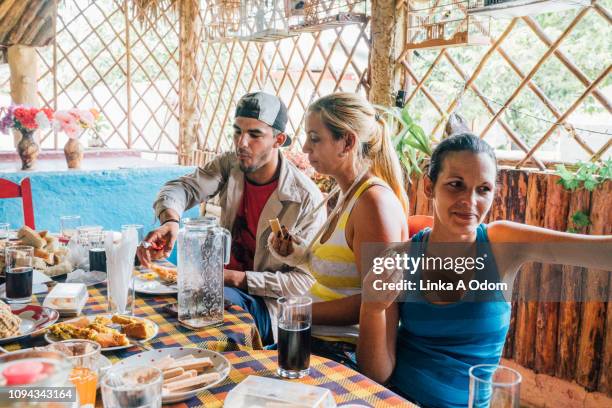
(248,169)
(257,164)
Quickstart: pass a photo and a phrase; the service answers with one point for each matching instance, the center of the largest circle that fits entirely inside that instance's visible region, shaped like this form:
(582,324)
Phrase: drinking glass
(19,273)
(69,225)
(120,273)
(84,356)
(140,232)
(83,232)
(494,386)
(89,244)
(4,231)
(97,254)
(294,327)
(132,387)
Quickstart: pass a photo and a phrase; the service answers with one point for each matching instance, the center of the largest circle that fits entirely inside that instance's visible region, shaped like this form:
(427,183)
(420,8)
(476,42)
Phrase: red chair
(418,222)
(8,189)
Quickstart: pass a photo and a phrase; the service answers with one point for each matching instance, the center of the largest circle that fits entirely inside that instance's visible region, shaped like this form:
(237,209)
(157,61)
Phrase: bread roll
(30,237)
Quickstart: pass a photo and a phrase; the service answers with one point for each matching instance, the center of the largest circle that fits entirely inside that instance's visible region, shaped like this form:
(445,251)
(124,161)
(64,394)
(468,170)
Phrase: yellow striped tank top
(334,267)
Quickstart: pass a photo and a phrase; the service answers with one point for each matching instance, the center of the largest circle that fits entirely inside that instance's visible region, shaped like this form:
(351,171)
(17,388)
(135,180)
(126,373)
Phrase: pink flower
(67,122)
(87,119)
(73,130)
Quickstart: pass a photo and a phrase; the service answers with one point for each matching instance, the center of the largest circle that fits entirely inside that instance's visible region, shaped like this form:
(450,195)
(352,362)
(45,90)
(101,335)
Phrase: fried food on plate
(168,275)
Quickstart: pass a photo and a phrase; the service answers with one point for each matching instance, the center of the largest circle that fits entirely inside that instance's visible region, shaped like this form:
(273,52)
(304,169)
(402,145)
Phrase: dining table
(238,339)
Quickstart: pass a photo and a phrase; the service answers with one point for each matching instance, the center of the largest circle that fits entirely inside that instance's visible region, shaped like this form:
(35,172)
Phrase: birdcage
(317,15)
(520,8)
(264,20)
(221,20)
(446,23)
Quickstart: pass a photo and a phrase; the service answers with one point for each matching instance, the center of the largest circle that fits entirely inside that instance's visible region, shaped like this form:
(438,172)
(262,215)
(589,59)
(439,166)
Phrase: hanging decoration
(222,20)
(264,20)
(318,15)
(446,23)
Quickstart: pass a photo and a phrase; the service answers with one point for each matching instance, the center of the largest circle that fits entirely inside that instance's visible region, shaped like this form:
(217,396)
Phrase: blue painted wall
(104,197)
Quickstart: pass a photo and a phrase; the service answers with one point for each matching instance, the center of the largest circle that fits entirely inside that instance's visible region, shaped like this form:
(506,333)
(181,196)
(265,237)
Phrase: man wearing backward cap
(254,183)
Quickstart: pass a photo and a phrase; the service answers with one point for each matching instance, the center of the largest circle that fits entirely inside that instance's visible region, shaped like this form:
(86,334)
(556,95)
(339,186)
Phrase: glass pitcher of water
(203,250)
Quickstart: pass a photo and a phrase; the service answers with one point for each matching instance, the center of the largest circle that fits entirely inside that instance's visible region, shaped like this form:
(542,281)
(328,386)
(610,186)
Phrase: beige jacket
(295,196)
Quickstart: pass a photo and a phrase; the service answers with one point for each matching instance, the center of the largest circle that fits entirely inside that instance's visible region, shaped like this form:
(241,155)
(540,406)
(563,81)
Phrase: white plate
(34,318)
(53,339)
(153,287)
(221,365)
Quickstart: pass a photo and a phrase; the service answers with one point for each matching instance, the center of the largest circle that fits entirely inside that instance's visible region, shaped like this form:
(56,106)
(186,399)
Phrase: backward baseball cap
(264,107)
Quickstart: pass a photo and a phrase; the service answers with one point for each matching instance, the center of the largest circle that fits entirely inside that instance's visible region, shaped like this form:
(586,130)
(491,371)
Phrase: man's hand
(235,279)
(282,242)
(162,241)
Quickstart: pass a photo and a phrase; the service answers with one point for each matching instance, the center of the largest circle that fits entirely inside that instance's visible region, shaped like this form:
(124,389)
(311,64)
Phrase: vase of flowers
(73,122)
(26,120)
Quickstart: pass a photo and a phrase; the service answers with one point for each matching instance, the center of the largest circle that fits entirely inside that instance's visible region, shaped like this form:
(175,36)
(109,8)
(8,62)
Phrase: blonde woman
(349,141)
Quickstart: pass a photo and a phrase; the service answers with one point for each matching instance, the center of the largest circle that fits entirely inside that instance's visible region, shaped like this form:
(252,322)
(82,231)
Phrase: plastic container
(67,298)
(260,392)
(35,369)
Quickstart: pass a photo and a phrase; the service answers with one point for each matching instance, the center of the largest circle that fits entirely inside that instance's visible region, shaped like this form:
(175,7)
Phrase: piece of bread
(138,330)
(30,237)
(52,243)
(10,324)
(192,382)
(167,275)
(39,264)
(45,255)
(113,339)
(122,320)
(275,226)
(60,269)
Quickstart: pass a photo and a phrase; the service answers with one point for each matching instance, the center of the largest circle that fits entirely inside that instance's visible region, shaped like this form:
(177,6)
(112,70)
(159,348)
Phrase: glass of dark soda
(19,273)
(294,329)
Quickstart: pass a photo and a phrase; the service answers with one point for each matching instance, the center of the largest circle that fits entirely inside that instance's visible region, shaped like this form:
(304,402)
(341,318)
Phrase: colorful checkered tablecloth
(238,331)
(347,385)
(240,342)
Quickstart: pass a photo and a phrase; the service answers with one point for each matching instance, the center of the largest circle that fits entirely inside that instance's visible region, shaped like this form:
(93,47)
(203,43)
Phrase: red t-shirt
(244,231)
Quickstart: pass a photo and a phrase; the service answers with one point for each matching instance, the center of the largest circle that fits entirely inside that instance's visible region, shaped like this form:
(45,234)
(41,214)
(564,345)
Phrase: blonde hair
(348,112)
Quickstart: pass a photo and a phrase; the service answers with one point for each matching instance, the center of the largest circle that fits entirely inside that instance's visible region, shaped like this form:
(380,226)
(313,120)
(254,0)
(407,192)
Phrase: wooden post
(527,308)
(23,64)
(190,38)
(601,217)
(555,217)
(593,358)
(569,309)
(388,34)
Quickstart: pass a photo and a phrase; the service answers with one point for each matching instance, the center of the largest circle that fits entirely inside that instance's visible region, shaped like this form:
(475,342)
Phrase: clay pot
(28,149)
(73,150)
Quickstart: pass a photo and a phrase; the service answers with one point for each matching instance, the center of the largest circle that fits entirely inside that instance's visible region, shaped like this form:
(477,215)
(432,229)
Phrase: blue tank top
(437,344)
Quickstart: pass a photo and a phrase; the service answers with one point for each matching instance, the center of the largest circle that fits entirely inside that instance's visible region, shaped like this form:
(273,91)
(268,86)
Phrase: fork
(138,343)
(142,344)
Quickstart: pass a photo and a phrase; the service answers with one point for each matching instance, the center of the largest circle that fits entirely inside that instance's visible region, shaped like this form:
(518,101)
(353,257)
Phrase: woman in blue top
(426,345)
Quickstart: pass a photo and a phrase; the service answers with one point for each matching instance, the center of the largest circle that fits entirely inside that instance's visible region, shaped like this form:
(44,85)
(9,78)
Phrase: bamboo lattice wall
(522,53)
(137,86)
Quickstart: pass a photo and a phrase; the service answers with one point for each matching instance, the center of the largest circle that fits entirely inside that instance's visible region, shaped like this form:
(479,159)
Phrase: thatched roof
(27,22)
